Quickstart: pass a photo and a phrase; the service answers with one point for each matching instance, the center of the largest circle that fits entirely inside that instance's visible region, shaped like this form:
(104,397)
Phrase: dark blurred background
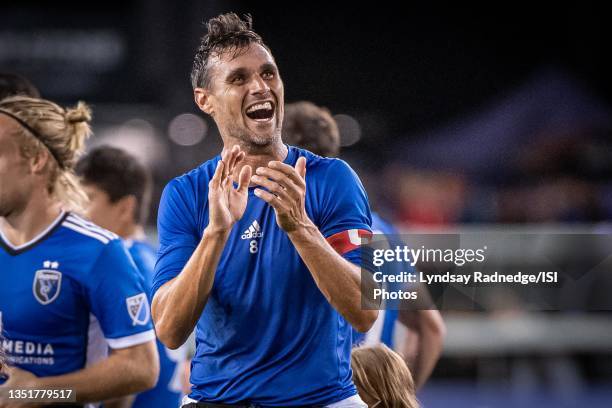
(488,114)
(498,116)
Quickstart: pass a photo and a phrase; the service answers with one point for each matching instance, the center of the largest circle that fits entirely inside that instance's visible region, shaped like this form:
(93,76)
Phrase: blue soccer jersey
(167,392)
(68,295)
(384,328)
(267,334)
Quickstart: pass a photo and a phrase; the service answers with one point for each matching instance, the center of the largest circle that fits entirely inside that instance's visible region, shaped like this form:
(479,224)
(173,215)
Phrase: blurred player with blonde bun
(68,288)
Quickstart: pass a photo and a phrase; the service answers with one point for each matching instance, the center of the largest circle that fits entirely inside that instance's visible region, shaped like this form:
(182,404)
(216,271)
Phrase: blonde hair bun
(78,114)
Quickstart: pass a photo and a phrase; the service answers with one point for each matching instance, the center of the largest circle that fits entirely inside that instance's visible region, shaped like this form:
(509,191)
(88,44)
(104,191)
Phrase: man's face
(16,177)
(247,96)
(101,210)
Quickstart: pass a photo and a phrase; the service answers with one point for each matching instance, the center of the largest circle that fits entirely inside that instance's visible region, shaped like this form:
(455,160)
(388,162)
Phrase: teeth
(265,105)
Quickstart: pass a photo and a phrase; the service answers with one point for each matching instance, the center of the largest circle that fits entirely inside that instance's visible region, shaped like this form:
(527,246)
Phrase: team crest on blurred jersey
(138,308)
(47,285)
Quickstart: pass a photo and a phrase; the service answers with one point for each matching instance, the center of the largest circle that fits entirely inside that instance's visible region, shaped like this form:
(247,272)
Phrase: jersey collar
(16,250)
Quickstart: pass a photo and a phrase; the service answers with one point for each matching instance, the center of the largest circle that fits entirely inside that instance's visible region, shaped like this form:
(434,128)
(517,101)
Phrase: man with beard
(259,245)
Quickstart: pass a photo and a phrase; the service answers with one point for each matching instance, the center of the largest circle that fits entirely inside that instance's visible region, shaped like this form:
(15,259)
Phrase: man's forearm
(178,304)
(424,343)
(338,279)
(124,372)
(426,358)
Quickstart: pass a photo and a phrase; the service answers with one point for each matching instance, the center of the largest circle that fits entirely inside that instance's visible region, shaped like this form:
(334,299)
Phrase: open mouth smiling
(260,111)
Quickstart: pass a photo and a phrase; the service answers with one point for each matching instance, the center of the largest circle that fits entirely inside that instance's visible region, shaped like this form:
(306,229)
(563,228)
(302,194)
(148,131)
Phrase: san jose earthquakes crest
(47,283)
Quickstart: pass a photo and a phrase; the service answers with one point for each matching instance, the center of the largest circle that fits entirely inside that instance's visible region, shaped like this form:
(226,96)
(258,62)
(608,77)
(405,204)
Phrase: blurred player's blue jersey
(68,295)
(167,392)
(383,332)
(267,334)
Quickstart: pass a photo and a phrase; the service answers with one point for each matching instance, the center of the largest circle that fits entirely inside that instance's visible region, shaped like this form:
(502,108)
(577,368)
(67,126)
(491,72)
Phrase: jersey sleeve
(345,217)
(177,231)
(116,295)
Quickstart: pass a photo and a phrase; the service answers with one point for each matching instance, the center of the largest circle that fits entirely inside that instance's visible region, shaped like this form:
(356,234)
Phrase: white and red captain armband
(349,240)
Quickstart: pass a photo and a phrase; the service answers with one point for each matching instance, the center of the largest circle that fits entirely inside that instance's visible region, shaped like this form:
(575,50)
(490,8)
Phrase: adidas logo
(254,231)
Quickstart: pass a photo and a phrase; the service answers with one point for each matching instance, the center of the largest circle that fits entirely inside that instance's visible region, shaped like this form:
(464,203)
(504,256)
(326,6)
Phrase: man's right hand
(226,203)
(178,304)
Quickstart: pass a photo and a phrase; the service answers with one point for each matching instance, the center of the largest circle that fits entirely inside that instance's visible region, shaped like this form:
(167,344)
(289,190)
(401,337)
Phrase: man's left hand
(286,193)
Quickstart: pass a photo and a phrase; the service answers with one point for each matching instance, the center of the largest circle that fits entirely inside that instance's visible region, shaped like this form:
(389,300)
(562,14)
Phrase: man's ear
(203,98)
(38,162)
(127,208)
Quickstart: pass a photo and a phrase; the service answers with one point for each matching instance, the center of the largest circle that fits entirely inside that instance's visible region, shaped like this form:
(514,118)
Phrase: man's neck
(134,232)
(22,226)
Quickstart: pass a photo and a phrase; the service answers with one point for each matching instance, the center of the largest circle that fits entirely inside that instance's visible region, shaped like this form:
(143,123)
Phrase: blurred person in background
(68,288)
(311,127)
(119,191)
(12,85)
(383,378)
(260,269)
